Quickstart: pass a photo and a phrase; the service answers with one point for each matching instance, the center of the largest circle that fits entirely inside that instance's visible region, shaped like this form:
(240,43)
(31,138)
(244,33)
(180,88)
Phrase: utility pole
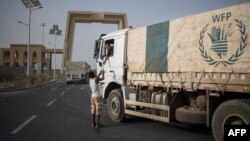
(31,5)
(55,31)
(43,25)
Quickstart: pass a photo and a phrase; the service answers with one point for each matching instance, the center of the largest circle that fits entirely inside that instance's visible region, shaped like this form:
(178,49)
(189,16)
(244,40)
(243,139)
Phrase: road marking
(82,88)
(68,88)
(23,124)
(51,102)
(52,89)
(62,93)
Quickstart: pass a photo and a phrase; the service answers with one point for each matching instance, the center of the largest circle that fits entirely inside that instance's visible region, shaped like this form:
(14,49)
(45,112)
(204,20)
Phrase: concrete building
(40,58)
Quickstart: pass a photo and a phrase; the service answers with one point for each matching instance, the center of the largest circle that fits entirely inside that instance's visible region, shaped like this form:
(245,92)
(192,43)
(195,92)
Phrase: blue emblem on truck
(219,40)
(219,37)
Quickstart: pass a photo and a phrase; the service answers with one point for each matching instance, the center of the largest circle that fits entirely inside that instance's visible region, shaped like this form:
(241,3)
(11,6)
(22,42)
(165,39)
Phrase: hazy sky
(139,13)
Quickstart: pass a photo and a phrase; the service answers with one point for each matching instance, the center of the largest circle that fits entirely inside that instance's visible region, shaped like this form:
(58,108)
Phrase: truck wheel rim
(234,119)
(115,105)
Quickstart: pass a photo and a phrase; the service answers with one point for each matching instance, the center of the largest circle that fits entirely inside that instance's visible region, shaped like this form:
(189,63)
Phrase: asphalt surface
(60,112)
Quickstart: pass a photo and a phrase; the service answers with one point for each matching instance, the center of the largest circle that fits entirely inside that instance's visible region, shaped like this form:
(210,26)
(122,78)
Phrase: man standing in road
(96,99)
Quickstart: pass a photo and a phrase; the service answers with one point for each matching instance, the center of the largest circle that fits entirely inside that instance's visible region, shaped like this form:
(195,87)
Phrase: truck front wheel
(116,105)
(232,112)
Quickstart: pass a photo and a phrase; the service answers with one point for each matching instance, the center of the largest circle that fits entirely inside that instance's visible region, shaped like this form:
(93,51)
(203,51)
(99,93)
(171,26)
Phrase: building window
(25,54)
(16,64)
(43,54)
(6,54)
(7,64)
(34,55)
(16,55)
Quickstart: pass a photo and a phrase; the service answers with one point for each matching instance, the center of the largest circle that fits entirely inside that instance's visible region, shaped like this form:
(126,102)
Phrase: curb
(26,88)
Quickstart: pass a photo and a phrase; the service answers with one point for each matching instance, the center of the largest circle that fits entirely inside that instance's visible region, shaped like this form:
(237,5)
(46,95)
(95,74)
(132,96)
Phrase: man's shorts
(96,105)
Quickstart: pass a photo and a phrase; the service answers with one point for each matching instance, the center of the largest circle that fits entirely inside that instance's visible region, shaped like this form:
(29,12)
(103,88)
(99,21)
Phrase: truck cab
(115,64)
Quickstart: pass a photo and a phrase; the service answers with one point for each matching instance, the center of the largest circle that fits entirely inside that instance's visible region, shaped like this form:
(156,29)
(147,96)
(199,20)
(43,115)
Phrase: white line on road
(62,93)
(51,102)
(23,124)
(52,89)
(82,88)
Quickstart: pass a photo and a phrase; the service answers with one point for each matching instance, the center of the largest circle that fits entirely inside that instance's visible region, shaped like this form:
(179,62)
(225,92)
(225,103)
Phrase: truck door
(113,59)
(107,57)
(119,58)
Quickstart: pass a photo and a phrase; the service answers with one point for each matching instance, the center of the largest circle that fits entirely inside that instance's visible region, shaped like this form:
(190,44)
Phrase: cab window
(108,48)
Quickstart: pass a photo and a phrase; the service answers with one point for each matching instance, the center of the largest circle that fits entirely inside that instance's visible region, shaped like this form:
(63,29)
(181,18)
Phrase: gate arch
(87,17)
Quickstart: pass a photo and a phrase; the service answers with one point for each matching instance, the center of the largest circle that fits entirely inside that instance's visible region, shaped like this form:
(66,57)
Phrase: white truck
(193,70)
(76,72)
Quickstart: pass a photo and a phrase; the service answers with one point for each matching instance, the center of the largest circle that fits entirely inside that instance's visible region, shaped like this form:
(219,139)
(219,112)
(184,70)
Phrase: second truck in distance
(77,72)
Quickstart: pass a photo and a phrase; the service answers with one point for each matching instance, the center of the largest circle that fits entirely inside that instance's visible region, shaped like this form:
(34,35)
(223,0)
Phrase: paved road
(60,112)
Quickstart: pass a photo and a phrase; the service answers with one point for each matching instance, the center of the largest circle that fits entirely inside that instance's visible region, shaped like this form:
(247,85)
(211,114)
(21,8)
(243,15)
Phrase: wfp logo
(219,37)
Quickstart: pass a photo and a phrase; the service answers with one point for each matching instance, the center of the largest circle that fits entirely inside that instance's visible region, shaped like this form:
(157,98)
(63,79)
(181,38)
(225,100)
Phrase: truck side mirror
(96,49)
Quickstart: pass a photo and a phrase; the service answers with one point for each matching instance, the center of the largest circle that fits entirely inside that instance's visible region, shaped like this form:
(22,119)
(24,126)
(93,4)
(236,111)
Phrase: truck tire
(232,112)
(116,105)
(183,114)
